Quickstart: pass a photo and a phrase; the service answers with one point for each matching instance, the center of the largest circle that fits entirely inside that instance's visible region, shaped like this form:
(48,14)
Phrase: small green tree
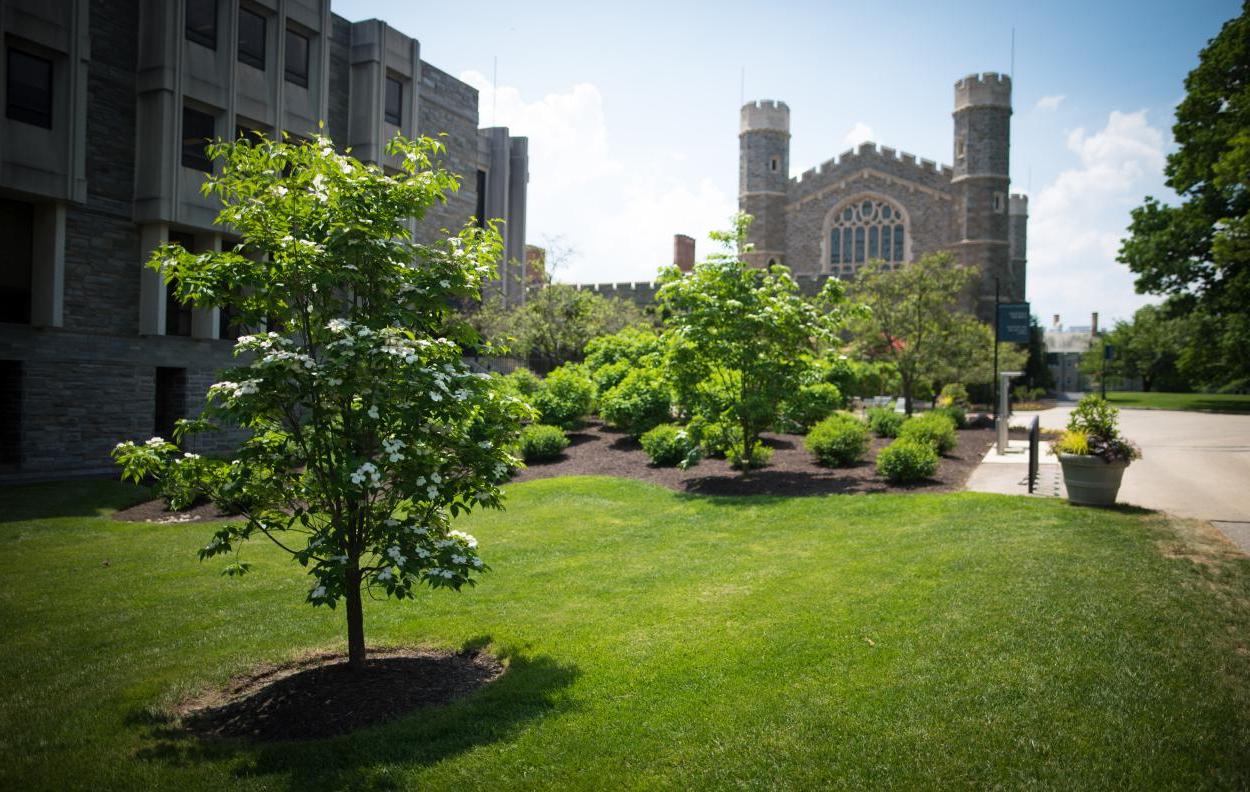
(1150,348)
(368,433)
(915,321)
(746,330)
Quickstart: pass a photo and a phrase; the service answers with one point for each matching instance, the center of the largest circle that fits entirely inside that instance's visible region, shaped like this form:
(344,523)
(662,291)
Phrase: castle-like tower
(877,203)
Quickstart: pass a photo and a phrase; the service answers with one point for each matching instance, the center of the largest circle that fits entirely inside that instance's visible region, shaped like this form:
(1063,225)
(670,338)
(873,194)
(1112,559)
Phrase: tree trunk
(906,382)
(355,620)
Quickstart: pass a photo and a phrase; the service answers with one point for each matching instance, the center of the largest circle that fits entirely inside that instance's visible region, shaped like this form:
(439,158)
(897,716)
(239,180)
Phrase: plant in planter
(1093,454)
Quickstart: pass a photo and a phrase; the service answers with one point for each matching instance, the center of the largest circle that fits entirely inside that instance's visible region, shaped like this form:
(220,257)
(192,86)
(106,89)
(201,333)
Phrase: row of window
(28,88)
(857,245)
(201,27)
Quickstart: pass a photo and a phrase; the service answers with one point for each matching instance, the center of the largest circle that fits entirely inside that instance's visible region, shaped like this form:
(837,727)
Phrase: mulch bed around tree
(154,511)
(597,450)
(318,696)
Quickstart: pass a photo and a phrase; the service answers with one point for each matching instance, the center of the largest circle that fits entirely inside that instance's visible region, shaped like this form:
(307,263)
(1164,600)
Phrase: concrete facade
(92,178)
(878,203)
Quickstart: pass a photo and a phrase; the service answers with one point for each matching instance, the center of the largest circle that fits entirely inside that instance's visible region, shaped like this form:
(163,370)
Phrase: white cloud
(617,216)
(1050,102)
(1077,221)
(859,133)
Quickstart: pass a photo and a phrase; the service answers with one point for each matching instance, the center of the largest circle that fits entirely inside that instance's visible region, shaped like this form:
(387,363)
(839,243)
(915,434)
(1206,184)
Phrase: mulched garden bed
(154,511)
(318,697)
(597,450)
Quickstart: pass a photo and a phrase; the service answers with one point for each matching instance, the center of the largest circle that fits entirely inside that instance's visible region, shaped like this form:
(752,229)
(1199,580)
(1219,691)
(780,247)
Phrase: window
(867,229)
(481,199)
(998,202)
(10,414)
(197,129)
(774,163)
(17,230)
(170,400)
(296,58)
(251,38)
(202,22)
(177,314)
(229,323)
(960,148)
(29,89)
(394,101)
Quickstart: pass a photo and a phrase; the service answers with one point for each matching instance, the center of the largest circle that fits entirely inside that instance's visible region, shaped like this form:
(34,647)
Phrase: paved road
(1193,465)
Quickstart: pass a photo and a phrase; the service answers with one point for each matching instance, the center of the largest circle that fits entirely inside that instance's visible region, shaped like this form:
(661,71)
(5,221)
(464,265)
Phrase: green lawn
(1206,402)
(656,640)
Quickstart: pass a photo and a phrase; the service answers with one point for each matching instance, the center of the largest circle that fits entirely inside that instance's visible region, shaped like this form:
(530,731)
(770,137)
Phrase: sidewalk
(1008,474)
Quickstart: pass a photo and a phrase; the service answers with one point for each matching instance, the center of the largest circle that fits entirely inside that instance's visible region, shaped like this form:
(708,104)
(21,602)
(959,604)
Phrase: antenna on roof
(494,91)
(1012,71)
(742,88)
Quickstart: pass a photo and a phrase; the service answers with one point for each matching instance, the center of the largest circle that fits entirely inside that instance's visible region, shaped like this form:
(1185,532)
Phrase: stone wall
(642,293)
(450,106)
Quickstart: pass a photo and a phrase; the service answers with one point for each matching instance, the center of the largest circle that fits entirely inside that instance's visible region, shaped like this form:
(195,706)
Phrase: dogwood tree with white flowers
(368,433)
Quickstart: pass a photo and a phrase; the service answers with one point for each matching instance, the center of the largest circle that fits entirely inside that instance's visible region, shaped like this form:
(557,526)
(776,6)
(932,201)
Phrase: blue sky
(632,111)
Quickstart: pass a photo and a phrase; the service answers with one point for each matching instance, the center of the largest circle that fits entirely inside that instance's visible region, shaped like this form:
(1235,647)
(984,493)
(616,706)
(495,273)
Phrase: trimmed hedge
(812,404)
(905,461)
(667,444)
(931,427)
(541,443)
(840,439)
(566,396)
(639,403)
(884,422)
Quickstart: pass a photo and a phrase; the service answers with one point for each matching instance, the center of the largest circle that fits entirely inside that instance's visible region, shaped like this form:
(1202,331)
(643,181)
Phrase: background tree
(1198,253)
(1036,373)
(915,319)
(368,433)
(555,323)
(1149,348)
(745,330)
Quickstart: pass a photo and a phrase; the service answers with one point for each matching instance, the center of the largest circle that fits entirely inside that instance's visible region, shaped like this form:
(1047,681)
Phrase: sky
(632,111)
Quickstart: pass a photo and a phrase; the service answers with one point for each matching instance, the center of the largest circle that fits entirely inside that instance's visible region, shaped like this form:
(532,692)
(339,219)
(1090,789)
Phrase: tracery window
(866,229)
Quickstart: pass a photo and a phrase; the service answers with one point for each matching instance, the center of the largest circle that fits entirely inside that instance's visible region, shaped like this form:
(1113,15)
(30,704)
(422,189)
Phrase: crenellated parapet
(989,89)
(890,162)
(765,115)
(1018,204)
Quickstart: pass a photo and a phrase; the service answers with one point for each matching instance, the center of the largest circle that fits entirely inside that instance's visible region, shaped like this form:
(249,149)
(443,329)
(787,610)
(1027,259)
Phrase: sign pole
(996,298)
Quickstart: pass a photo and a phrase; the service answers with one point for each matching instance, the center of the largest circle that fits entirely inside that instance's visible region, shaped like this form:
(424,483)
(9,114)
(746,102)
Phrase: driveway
(1193,464)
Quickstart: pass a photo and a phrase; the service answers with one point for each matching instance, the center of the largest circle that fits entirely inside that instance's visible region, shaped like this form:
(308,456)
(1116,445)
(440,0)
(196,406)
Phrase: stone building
(878,203)
(107,104)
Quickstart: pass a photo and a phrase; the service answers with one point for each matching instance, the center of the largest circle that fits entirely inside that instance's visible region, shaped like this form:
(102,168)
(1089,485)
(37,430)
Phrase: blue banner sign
(1013,322)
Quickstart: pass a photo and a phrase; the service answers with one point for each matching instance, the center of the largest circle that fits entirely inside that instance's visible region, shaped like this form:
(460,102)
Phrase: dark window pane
(197,129)
(296,58)
(178,315)
(481,199)
(859,245)
(202,22)
(251,38)
(29,89)
(873,247)
(886,237)
(10,414)
(846,247)
(170,400)
(394,101)
(898,242)
(17,224)
(835,245)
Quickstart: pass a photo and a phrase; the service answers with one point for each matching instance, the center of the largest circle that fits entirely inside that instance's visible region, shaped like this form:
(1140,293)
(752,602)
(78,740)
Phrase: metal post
(996,348)
(1102,377)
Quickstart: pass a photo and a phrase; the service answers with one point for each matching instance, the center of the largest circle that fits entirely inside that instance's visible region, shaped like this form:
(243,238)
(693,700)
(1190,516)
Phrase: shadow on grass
(84,497)
(529,688)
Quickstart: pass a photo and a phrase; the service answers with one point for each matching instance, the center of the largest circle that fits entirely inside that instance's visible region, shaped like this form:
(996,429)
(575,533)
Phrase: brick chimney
(1093,323)
(683,252)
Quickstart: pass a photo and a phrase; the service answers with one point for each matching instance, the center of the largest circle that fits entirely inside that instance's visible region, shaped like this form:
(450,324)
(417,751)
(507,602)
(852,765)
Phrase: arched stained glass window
(869,228)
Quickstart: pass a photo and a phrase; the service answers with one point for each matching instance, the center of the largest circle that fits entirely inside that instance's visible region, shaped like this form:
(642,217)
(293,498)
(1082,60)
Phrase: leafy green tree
(368,433)
(1198,253)
(555,323)
(746,329)
(1036,373)
(915,321)
(1150,348)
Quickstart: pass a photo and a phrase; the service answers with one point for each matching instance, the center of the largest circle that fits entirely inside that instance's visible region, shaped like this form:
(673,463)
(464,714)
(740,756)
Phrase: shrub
(931,427)
(955,413)
(884,422)
(609,375)
(632,345)
(522,382)
(1098,422)
(566,395)
(840,439)
(668,444)
(812,404)
(1073,441)
(954,395)
(540,442)
(640,402)
(714,438)
(906,460)
(760,455)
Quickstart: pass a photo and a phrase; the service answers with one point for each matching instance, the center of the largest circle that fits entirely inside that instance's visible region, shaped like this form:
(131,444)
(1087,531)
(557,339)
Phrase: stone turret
(763,177)
(981,184)
(1017,235)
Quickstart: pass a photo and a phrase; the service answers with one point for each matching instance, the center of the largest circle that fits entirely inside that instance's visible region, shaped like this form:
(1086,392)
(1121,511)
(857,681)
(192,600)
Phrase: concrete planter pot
(1090,480)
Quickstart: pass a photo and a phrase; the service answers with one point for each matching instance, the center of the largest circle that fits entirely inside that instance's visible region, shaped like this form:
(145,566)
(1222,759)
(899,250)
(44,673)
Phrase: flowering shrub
(905,461)
(840,439)
(668,444)
(368,433)
(639,403)
(565,396)
(885,422)
(541,443)
(1096,422)
(931,427)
